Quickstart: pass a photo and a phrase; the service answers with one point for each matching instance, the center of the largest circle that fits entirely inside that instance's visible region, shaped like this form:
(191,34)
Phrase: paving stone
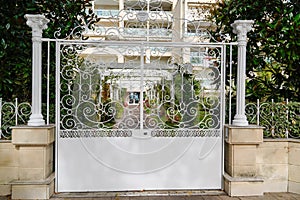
(297,196)
(194,197)
(285,196)
(5,198)
(179,197)
(212,198)
(139,198)
(150,198)
(267,196)
(255,198)
(121,198)
(225,197)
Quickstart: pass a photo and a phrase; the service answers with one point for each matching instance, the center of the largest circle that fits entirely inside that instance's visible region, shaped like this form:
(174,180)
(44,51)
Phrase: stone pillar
(35,149)
(241,28)
(37,23)
(241,177)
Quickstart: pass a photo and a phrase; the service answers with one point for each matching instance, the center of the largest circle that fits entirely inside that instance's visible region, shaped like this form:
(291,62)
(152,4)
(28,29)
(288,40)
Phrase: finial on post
(241,28)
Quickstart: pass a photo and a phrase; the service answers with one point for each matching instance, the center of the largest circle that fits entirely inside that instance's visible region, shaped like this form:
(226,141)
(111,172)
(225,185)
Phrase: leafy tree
(15,49)
(66,15)
(273,57)
(15,42)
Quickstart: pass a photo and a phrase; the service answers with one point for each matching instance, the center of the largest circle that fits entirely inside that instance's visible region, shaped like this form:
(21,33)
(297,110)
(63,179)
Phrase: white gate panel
(139,163)
(140,100)
(139,123)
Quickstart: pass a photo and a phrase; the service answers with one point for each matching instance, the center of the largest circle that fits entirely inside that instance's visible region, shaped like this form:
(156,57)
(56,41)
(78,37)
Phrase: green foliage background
(273,57)
(15,38)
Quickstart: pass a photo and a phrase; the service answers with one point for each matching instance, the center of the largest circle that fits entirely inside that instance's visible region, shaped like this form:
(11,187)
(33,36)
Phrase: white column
(121,7)
(37,23)
(111,94)
(241,28)
(117,93)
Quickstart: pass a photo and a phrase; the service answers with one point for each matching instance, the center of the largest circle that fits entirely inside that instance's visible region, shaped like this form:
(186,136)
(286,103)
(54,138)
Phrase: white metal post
(241,28)
(141,102)
(38,23)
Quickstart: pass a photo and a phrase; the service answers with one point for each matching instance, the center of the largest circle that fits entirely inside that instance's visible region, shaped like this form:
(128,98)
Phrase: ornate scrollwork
(112,86)
(95,93)
(94,133)
(185,133)
(179,102)
(12,113)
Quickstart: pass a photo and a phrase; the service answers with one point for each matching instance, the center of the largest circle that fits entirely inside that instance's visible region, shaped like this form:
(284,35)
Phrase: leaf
(297,17)
(3,42)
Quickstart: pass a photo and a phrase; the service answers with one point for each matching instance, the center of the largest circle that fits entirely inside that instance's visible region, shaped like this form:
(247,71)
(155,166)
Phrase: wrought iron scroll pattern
(186,133)
(12,114)
(85,101)
(96,87)
(277,118)
(94,133)
(187,98)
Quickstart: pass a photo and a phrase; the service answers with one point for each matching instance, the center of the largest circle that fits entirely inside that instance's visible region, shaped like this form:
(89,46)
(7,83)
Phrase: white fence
(280,119)
(15,113)
(12,114)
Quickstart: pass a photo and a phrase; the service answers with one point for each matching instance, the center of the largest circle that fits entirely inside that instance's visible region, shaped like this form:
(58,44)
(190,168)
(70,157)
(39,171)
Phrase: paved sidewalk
(267,196)
(221,196)
(195,195)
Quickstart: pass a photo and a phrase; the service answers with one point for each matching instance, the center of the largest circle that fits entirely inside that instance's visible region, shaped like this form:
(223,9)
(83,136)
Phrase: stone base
(274,185)
(40,189)
(294,187)
(251,134)
(5,189)
(33,135)
(243,186)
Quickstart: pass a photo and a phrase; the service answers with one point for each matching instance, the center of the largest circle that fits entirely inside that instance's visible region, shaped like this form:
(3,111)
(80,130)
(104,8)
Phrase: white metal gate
(140,114)
(136,123)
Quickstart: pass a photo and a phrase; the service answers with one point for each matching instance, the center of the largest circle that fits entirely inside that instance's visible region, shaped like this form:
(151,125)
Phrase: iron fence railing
(15,113)
(12,114)
(280,119)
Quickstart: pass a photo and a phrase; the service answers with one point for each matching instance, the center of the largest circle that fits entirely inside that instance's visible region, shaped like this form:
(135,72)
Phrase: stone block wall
(272,164)
(278,163)
(9,166)
(269,165)
(252,166)
(294,166)
(27,163)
